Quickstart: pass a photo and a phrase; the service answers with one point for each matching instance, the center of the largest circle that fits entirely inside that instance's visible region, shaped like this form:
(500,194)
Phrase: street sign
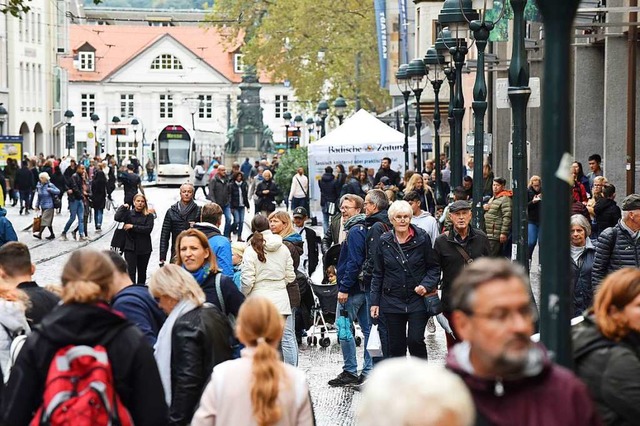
(488,143)
(71,136)
(510,154)
(502,93)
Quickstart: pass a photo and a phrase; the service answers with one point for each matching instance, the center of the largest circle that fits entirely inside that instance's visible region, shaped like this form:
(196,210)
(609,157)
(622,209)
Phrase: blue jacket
(45,199)
(396,274)
(7,233)
(137,305)
(220,245)
(352,256)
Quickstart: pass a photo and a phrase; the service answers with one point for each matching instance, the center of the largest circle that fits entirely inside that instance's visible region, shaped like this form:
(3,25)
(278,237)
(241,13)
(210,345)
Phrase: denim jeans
(299,202)
(357,306)
(150,176)
(25,199)
(76,209)
(97,217)
(238,220)
(325,221)
(227,220)
(533,230)
(398,340)
(289,343)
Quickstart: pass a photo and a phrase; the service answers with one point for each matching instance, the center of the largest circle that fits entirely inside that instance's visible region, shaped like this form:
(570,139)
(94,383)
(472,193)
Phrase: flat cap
(459,205)
(631,202)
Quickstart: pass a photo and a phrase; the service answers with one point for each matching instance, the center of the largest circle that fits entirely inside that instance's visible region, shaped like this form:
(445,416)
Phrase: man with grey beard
(511,379)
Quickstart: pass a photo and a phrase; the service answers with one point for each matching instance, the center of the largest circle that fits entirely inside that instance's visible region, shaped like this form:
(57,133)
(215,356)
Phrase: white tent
(361,140)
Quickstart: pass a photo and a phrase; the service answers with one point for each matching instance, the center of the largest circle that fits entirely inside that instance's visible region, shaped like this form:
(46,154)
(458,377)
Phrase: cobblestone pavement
(333,406)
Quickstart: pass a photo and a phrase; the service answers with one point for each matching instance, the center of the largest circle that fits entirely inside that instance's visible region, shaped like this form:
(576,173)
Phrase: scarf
(353,220)
(200,275)
(163,345)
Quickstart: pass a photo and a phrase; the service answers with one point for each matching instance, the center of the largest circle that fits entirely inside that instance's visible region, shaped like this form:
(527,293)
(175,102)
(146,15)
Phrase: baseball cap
(631,202)
(459,205)
(300,212)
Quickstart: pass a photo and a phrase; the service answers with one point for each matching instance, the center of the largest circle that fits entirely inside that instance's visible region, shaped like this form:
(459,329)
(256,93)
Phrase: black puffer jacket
(352,186)
(176,221)
(615,249)
(135,373)
(393,283)
(266,202)
(234,194)
(328,189)
(582,289)
(451,261)
(200,340)
(139,237)
(99,190)
(377,224)
(332,236)
(607,213)
(611,371)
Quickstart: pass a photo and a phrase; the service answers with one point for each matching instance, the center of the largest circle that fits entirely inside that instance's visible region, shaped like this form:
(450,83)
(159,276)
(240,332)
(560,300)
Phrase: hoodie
(135,374)
(428,223)
(7,233)
(220,245)
(269,278)
(137,305)
(543,394)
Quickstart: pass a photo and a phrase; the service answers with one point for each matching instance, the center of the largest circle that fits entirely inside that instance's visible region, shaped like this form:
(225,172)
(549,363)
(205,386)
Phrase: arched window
(166,62)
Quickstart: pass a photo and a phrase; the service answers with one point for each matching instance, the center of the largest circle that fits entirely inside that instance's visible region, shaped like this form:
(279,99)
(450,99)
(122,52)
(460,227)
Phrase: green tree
(287,167)
(314,44)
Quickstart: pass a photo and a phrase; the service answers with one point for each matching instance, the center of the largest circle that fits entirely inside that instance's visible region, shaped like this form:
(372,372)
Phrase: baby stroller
(323,312)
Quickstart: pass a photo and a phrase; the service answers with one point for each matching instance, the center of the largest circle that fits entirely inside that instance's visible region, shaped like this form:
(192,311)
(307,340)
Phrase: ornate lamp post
(69,131)
(554,248)
(135,123)
(287,123)
(323,111)
(416,71)
(454,14)
(115,120)
(94,119)
(298,121)
(310,124)
(318,128)
(436,61)
(3,117)
(340,104)
(403,84)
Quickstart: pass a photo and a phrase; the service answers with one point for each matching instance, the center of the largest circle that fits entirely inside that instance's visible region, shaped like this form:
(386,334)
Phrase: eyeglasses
(345,208)
(528,313)
(403,218)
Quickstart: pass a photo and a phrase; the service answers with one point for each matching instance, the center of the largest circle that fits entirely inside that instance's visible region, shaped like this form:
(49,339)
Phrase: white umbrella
(444,323)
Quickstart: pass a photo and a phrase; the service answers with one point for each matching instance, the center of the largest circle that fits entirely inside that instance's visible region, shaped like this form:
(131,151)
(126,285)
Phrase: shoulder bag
(119,238)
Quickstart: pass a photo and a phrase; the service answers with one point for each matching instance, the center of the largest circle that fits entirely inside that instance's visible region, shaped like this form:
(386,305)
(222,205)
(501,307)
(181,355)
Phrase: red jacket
(545,395)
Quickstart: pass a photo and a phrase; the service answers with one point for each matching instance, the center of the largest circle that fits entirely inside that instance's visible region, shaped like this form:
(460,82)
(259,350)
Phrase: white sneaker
(431,325)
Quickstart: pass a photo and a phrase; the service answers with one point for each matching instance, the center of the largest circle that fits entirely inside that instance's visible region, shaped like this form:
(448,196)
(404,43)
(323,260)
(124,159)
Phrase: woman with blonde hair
(267,268)
(85,319)
(138,224)
(427,198)
(194,254)
(258,388)
(195,337)
(607,347)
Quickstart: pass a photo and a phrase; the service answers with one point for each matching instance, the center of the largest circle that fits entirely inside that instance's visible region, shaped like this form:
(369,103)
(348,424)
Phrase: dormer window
(238,63)
(87,61)
(166,62)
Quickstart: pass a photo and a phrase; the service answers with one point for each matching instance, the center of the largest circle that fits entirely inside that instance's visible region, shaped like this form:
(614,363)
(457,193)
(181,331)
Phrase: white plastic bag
(374,346)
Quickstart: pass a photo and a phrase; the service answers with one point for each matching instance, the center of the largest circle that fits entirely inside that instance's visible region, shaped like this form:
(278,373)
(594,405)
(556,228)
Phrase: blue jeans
(238,220)
(289,343)
(299,202)
(357,306)
(76,209)
(97,216)
(533,230)
(150,176)
(325,221)
(227,220)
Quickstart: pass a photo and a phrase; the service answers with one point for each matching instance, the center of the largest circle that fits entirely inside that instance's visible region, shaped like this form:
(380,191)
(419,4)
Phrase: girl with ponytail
(257,389)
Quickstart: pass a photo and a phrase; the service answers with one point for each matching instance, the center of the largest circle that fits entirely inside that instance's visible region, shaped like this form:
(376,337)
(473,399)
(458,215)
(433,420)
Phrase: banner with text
(381,26)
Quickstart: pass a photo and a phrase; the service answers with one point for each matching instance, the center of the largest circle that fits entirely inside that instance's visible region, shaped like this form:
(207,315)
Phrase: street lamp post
(69,131)
(318,128)
(94,119)
(135,123)
(287,122)
(455,14)
(416,72)
(3,117)
(298,121)
(556,146)
(435,61)
(323,110)
(310,125)
(340,104)
(403,84)
(444,40)
(519,93)
(115,120)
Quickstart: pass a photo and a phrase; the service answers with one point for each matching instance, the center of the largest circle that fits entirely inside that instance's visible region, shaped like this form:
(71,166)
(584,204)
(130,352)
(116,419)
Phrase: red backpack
(80,390)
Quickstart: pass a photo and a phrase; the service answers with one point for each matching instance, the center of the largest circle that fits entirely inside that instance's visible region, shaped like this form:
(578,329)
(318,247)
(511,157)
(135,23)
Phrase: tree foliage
(287,167)
(314,44)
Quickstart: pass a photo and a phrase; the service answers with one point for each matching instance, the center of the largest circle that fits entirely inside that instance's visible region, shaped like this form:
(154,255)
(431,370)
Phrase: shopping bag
(119,238)
(374,345)
(36,224)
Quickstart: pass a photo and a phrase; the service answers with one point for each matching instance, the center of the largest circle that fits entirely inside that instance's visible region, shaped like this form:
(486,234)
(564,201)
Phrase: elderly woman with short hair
(46,191)
(582,255)
(405,271)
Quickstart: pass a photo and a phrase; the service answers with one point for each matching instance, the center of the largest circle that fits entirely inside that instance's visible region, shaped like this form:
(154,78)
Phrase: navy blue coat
(394,280)
(137,305)
(353,253)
